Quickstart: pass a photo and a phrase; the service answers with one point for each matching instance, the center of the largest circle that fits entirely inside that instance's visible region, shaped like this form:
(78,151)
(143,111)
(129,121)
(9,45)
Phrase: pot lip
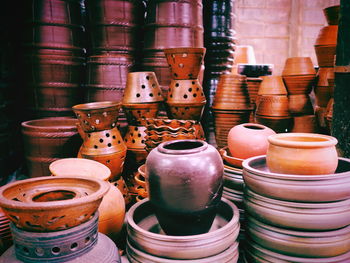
(52,205)
(162,147)
(31,124)
(283,140)
(247,169)
(103,174)
(225,229)
(99,105)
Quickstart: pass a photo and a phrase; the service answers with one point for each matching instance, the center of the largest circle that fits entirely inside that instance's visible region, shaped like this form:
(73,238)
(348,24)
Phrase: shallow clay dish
(226,155)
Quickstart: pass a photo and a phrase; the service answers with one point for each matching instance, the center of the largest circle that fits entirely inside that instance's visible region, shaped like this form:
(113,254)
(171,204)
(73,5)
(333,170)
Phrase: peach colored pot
(272,85)
(271,105)
(302,153)
(244,54)
(248,140)
(299,84)
(298,66)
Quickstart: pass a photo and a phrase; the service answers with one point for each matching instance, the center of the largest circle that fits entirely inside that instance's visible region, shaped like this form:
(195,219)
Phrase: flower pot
(300,104)
(244,54)
(298,66)
(299,84)
(272,85)
(185,209)
(273,106)
(302,153)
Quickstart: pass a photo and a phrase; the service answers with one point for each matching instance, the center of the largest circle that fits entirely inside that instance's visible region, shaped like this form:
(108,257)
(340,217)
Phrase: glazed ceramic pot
(302,153)
(112,207)
(248,139)
(47,204)
(184,192)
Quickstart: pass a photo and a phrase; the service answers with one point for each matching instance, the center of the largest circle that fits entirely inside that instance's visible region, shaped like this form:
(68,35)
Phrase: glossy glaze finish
(185,180)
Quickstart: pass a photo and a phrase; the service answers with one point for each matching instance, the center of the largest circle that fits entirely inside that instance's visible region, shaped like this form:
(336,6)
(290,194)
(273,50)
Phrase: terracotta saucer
(235,162)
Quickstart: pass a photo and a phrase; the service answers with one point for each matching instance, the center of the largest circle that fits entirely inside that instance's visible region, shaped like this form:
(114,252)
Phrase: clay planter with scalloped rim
(302,153)
(184,63)
(47,204)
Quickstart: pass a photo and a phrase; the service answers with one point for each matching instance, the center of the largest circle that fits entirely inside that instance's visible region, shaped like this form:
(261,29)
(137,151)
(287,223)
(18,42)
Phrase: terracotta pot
(299,188)
(296,215)
(277,123)
(170,197)
(150,240)
(322,94)
(229,159)
(46,140)
(300,104)
(136,113)
(298,66)
(253,85)
(135,137)
(272,85)
(327,36)
(305,123)
(244,54)
(332,14)
(185,63)
(302,153)
(299,84)
(248,139)
(323,74)
(112,208)
(325,55)
(52,203)
(273,105)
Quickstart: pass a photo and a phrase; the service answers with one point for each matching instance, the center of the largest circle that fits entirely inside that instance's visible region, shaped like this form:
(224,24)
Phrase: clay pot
(273,106)
(327,36)
(253,85)
(332,14)
(298,66)
(277,123)
(299,84)
(300,104)
(305,123)
(135,138)
(244,54)
(46,140)
(47,204)
(322,94)
(299,188)
(196,248)
(323,75)
(248,139)
(272,85)
(136,113)
(170,196)
(229,159)
(320,113)
(112,208)
(302,153)
(325,55)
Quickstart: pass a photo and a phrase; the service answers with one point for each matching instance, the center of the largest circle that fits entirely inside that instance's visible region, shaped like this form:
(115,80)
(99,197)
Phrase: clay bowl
(97,116)
(299,243)
(327,36)
(47,204)
(299,188)
(295,215)
(272,85)
(270,105)
(226,156)
(145,234)
(298,66)
(256,253)
(332,14)
(254,71)
(300,104)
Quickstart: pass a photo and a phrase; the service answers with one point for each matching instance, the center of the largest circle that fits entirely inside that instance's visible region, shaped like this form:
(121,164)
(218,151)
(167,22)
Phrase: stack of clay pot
(55,219)
(297,217)
(46,140)
(142,99)
(53,57)
(5,232)
(102,141)
(169,24)
(231,106)
(272,105)
(299,77)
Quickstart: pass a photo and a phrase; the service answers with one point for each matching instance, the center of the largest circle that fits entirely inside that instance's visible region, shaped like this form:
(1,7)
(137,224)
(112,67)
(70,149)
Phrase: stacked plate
(5,232)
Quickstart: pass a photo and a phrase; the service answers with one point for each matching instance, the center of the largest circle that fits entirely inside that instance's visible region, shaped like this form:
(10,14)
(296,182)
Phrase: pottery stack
(325,49)
(53,62)
(56,220)
(290,216)
(299,77)
(142,99)
(231,105)
(169,24)
(220,42)
(5,233)
(272,105)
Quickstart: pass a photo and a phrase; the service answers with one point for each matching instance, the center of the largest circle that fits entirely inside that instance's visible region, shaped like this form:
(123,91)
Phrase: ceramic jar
(248,140)
(302,153)
(185,182)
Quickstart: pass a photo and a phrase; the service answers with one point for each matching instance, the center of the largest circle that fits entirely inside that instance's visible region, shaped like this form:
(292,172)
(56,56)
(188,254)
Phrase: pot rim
(162,147)
(31,124)
(99,105)
(316,140)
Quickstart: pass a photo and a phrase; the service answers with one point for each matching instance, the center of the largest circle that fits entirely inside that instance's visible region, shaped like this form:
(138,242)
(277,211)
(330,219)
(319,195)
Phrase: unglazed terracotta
(112,207)
(272,85)
(229,159)
(47,204)
(300,105)
(302,153)
(305,123)
(298,66)
(244,54)
(184,191)
(248,139)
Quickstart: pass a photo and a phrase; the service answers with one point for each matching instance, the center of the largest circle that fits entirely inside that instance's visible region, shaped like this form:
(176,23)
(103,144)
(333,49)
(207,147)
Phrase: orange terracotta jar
(248,140)
(302,153)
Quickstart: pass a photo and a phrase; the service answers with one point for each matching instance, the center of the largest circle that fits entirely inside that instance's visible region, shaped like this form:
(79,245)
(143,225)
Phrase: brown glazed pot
(184,192)
(47,204)
(47,140)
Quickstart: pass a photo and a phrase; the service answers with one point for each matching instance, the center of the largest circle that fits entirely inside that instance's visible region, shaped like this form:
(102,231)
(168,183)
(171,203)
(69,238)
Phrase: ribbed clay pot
(305,123)
(325,45)
(299,188)
(300,104)
(272,85)
(190,208)
(273,105)
(112,208)
(302,153)
(296,66)
(248,139)
(299,84)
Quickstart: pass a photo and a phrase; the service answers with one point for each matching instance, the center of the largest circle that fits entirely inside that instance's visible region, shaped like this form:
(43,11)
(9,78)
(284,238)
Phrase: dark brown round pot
(185,182)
